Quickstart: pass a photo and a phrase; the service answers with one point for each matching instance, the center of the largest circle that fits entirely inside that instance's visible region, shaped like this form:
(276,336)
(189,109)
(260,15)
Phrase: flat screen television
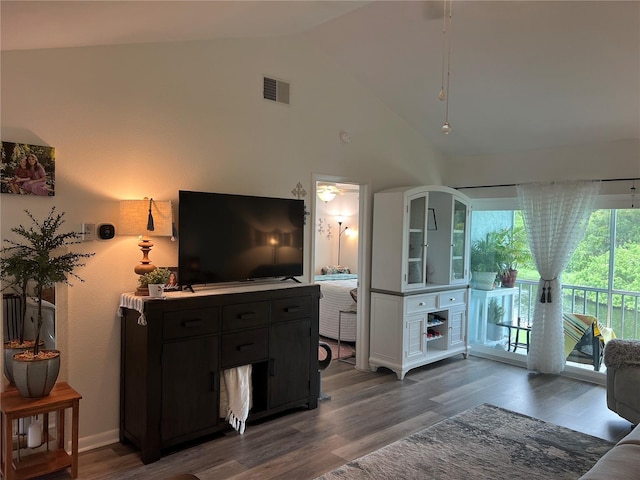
(230,238)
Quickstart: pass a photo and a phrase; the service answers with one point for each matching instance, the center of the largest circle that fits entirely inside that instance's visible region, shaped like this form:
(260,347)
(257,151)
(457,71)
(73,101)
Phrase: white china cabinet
(420,276)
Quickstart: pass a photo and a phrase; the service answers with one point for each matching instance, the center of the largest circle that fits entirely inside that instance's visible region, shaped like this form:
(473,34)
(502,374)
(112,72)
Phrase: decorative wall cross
(300,192)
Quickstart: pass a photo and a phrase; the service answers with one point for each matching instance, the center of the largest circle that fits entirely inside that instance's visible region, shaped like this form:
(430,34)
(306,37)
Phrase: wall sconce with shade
(144,218)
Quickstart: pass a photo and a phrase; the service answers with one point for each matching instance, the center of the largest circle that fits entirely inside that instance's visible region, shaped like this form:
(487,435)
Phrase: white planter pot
(495,333)
(156,290)
(483,280)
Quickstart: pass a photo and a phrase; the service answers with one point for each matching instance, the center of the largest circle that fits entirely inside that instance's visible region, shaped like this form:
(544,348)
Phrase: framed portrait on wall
(27,169)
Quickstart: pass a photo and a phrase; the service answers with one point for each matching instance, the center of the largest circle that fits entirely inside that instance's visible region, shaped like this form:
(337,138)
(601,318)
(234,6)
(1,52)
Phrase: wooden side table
(13,407)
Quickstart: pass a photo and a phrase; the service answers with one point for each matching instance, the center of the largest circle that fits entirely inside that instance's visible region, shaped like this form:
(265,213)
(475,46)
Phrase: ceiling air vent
(276,90)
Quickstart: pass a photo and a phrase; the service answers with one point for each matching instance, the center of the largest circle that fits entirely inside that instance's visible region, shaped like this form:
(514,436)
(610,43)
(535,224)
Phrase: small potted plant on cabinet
(154,281)
(34,263)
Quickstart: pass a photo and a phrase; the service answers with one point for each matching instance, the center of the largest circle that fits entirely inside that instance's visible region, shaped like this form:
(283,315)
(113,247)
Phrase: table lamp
(144,218)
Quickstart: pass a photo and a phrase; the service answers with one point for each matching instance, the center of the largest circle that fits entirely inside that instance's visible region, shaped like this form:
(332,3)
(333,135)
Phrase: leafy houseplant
(157,276)
(512,250)
(152,283)
(34,263)
(495,314)
(483,254)
(484,266)
(495,311)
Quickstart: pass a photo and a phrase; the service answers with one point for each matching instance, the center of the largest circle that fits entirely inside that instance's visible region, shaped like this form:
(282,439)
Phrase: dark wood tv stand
(171,367)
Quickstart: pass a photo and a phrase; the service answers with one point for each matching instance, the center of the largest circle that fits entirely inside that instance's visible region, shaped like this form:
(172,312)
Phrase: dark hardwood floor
(367,411)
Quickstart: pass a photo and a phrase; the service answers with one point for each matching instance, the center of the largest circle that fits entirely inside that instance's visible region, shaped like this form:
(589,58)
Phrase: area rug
(346,349)
(486,442)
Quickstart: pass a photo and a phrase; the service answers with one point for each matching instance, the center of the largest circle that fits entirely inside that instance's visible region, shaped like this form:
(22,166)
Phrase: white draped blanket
(335,297)
(133,302)
(236,396)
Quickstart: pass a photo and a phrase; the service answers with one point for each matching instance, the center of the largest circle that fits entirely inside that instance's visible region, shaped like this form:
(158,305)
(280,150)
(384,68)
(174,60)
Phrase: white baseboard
(99,440)
(584,373)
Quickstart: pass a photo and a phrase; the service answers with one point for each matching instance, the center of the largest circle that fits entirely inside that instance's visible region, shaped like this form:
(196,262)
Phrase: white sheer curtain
(555,217)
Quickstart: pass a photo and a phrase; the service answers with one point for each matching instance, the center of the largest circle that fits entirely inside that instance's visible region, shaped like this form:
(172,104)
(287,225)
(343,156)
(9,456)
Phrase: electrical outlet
(88,231)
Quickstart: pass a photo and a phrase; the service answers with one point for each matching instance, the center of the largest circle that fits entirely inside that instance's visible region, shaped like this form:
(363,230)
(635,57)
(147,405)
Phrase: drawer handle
(214,384)
(272,367)
(421,304)
(192,323)
(246,347)
(292,309)
(247,315)
(452,299)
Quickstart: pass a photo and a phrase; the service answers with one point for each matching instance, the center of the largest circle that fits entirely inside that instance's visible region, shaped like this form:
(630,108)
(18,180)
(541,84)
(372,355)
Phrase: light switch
(88,231)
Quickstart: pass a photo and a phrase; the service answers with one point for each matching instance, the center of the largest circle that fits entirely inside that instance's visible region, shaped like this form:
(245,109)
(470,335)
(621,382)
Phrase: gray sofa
(622,462)
(622,359)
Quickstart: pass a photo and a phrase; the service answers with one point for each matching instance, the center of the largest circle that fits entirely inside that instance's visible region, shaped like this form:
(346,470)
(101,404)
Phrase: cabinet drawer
(190,323)
(454,297)
(421,303)
(245,347)
(245,315)
(291,308)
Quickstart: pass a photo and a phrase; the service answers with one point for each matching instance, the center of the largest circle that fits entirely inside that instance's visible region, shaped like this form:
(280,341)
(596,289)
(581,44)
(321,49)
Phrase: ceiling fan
(328,191)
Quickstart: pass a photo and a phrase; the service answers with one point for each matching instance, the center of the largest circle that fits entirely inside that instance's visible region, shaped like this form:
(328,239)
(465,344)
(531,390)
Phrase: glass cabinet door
(458,238)
(416,264)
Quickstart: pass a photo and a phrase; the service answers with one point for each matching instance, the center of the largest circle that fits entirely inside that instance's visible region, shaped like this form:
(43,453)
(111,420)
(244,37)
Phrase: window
(599,280)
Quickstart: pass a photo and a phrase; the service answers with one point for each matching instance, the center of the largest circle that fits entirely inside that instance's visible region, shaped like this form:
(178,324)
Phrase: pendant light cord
(446,118)
(447,15)
(442,96)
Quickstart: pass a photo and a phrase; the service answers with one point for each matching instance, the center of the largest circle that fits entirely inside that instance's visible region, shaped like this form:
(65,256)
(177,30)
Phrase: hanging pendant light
(446,62)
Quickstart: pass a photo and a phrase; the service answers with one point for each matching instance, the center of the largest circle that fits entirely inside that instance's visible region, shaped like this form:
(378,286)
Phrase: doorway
(340,262)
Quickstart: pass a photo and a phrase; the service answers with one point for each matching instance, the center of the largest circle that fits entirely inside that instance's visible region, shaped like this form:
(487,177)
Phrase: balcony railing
(616,309)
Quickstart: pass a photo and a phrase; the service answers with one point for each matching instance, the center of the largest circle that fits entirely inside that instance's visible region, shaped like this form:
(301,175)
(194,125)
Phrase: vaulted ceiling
(524,74)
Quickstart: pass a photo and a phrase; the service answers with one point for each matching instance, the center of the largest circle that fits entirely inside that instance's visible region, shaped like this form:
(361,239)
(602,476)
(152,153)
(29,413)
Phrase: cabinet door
(289,352)
(189,386)
(416,265)
(415,341)
(459,242)
(457,327)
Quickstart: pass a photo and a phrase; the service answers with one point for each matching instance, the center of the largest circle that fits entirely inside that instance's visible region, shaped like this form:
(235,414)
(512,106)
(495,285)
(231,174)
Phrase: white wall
(345,206)
(147,120)
(599,161)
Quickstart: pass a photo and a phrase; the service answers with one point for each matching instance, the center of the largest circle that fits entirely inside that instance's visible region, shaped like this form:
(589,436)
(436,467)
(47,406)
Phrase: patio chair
(584,339)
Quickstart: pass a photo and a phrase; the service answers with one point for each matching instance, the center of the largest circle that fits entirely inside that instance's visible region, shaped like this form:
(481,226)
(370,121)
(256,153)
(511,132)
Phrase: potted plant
(35,263)
(495,314)
(484,267)
(512,251)
(154,281)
